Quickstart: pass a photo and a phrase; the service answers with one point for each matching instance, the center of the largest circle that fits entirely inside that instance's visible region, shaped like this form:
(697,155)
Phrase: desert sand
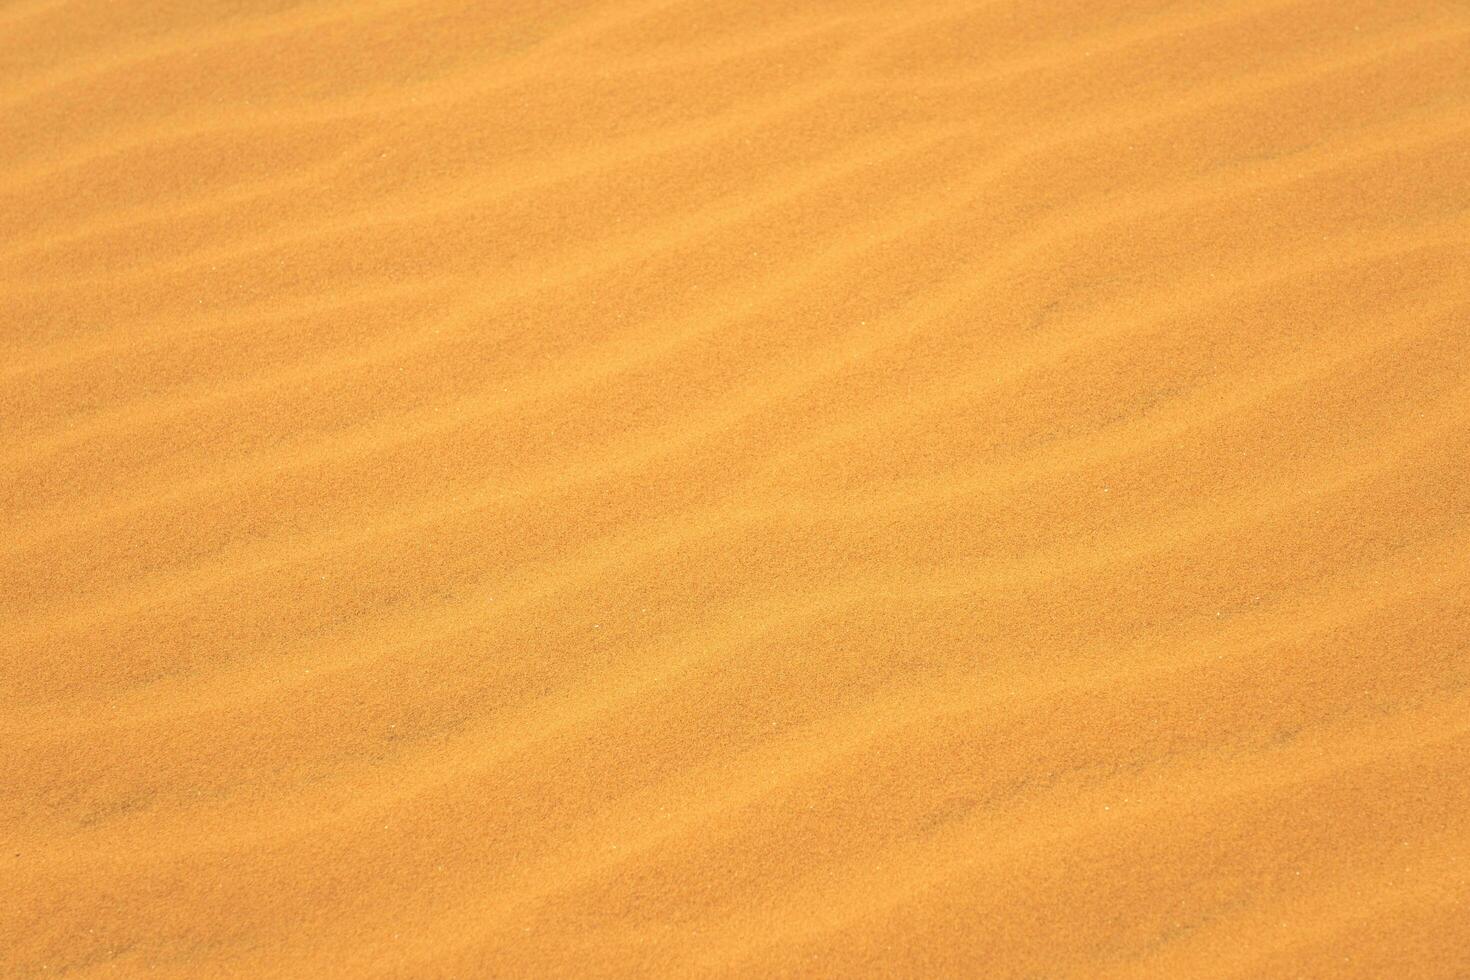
(657,488)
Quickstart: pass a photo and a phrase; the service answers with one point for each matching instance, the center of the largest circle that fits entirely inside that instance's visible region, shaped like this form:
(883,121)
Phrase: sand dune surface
(656,488)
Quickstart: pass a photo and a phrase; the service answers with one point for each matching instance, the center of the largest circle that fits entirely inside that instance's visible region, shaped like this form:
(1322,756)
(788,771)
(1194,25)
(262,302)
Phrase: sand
(656,488)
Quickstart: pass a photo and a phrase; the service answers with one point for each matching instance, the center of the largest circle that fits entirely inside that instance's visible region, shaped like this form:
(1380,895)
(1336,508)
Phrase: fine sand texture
(762,489)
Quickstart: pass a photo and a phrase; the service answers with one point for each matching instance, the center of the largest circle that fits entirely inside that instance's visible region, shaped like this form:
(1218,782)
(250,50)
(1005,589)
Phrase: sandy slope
(663,488)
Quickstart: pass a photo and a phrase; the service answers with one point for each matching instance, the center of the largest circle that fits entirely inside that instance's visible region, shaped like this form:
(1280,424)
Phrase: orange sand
(662,488)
